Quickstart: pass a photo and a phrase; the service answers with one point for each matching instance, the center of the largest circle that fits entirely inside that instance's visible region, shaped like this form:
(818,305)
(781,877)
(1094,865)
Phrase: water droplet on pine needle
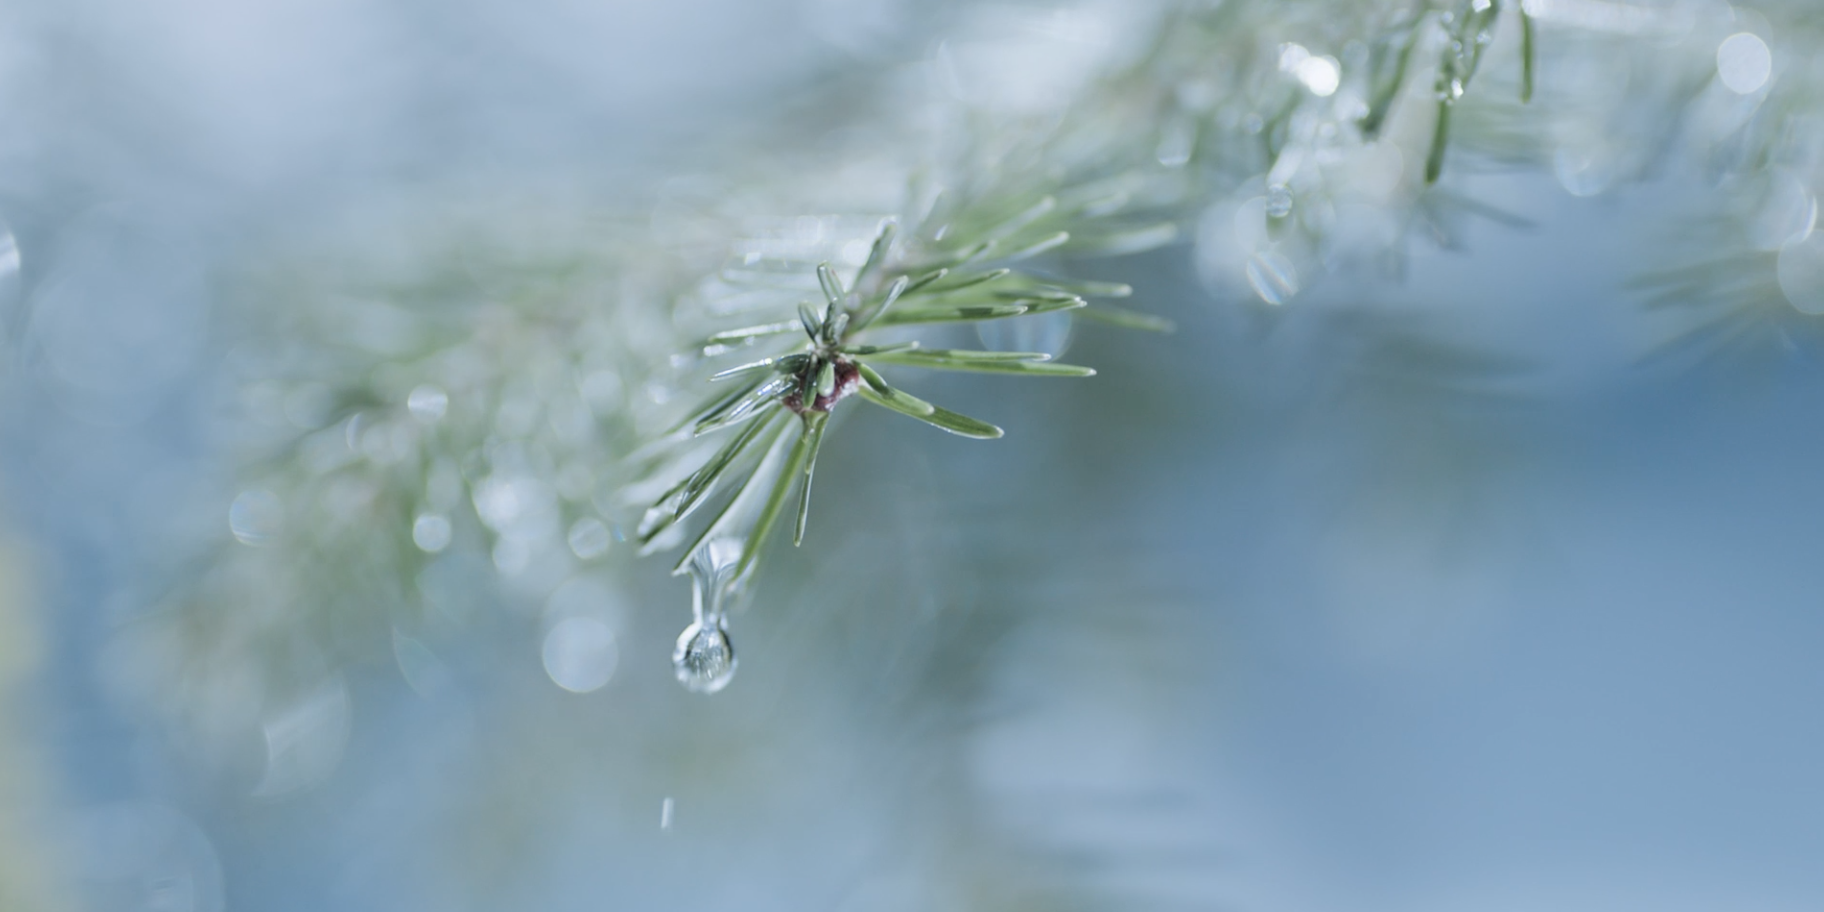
(704,658)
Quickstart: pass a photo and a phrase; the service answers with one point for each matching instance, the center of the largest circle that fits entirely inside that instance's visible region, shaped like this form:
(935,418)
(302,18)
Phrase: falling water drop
(704,658)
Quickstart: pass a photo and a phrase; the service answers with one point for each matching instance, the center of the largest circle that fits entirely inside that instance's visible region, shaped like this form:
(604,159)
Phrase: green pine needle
(1022,363)
(933,415)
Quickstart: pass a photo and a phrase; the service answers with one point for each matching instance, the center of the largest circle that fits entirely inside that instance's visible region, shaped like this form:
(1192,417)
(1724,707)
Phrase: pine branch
(517,395)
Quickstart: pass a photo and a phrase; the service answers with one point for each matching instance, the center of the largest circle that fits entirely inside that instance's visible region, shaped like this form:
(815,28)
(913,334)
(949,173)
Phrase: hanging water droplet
(704,658)
(1279,201)
(1456,89)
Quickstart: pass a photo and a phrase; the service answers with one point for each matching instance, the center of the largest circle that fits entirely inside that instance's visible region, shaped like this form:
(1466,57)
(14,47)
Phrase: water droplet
(704,658)
(1456,89)
(431,532)
(427,403)
(665,809)
(1279,201)
(255,516)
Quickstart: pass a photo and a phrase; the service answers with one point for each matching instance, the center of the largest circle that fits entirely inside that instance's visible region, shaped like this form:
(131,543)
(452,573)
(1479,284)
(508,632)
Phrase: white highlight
(580,654)
(431,532)
(1743,63)
(1319,74)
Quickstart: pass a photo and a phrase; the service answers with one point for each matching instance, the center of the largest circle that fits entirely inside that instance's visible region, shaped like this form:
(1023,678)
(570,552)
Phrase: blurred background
(1469,582)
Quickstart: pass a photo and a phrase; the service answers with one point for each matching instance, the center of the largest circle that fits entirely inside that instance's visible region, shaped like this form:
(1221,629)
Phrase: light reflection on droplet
(255,516)
(589,538)
(1801,274)
(427,403)
(431,532)
(580,654)
(9,254)
(1321,75)
(704,658)
(1272,277)
(1743,63)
